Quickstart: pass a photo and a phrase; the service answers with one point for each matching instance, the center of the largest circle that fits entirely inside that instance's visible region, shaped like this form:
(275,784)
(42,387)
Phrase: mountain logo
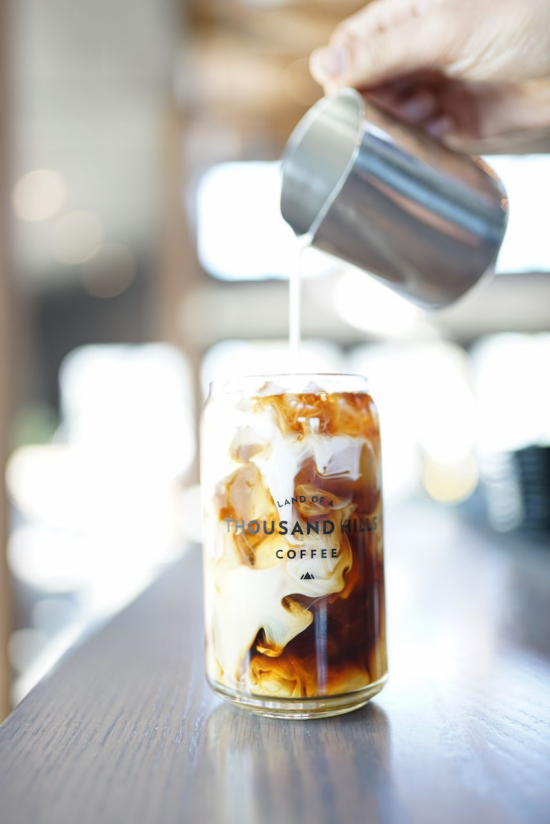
(307,577)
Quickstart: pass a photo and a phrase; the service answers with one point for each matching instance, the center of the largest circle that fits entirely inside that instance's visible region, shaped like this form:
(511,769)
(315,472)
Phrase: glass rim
(242,383)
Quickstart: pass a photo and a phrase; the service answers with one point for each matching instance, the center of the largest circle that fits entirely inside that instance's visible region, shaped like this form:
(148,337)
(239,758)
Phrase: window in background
(242,236)
(513,394)
(96,511)
(427,408)
(513,391)
(240,232)
(525,247)
(371,307)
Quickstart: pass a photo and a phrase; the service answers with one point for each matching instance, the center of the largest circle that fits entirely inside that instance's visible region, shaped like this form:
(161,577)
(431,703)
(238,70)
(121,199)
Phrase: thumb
(386,40)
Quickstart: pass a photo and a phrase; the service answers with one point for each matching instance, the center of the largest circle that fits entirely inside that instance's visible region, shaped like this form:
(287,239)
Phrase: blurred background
(142,255)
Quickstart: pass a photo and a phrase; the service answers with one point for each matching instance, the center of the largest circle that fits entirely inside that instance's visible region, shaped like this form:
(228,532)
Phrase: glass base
(299,709)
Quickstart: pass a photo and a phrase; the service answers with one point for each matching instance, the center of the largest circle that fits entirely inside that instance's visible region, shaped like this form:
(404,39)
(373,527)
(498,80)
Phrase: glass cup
(293,544)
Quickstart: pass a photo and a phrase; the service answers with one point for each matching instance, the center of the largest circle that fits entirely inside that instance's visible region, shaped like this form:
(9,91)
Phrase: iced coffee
(293,544)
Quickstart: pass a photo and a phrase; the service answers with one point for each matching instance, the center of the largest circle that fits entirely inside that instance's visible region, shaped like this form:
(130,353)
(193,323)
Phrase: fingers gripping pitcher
(293,544)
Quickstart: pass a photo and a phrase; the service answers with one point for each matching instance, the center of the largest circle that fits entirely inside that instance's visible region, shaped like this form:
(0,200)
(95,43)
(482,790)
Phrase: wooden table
(125,729)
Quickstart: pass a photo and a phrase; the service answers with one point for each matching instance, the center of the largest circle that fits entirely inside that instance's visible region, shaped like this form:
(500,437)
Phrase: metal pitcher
(380,194)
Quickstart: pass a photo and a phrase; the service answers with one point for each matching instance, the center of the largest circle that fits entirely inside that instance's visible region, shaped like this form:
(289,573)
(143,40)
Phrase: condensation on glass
(293,544)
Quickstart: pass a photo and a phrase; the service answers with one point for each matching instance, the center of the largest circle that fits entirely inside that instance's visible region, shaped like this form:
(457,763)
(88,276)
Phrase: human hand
(475,73)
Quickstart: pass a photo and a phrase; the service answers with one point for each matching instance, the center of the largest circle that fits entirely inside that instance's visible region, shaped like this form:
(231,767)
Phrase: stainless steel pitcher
(373,191)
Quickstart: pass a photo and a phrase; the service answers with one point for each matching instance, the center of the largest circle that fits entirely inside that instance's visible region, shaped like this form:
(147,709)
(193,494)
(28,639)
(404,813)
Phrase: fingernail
(416,108)
(441,126)
(333,60)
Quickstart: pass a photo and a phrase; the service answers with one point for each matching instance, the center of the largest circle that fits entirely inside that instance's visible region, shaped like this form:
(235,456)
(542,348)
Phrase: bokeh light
(38,195)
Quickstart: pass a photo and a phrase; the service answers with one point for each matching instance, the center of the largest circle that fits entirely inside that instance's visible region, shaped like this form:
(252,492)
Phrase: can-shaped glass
(293,544)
